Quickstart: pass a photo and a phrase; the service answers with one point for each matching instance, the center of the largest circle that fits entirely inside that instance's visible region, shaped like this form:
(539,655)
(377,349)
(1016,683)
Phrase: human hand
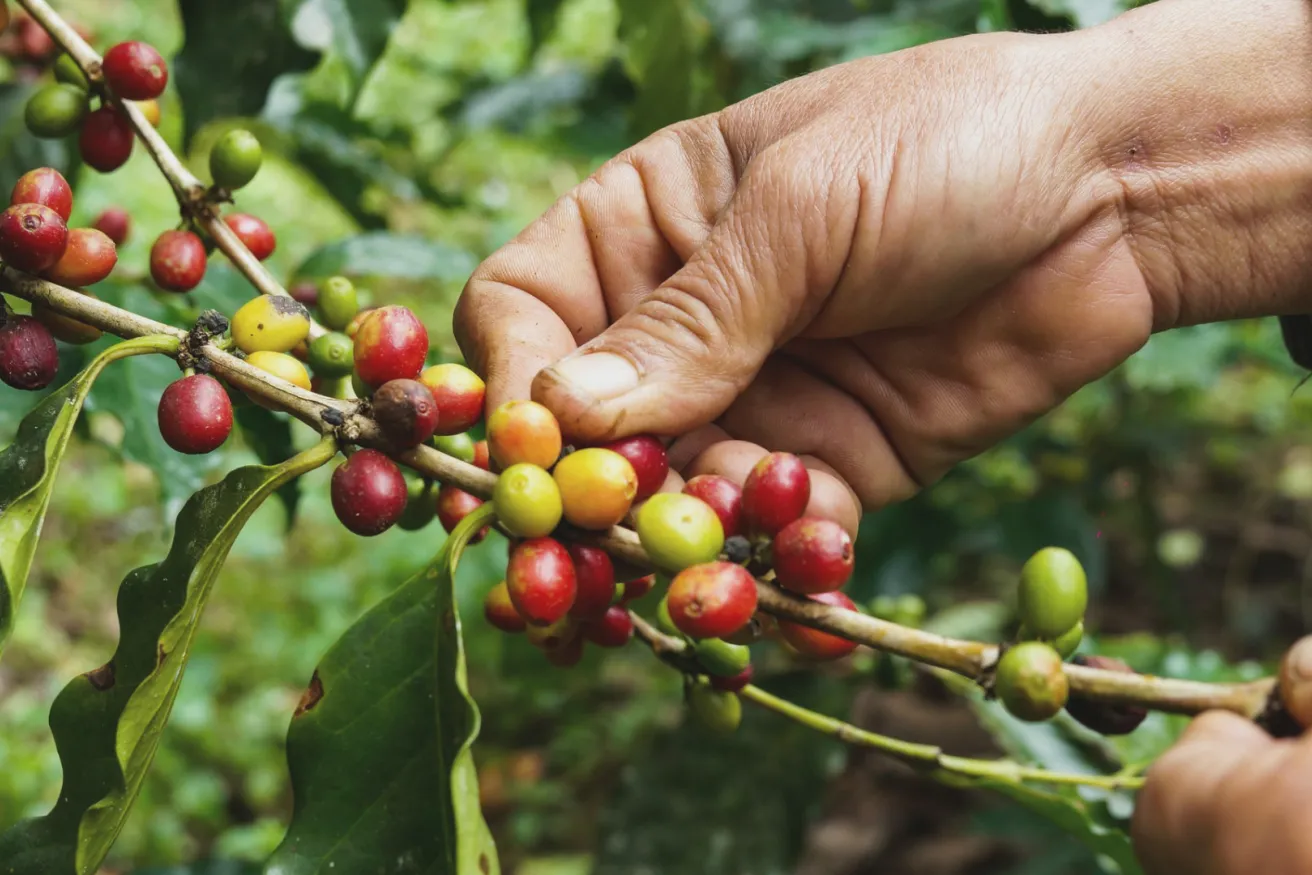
(889,265)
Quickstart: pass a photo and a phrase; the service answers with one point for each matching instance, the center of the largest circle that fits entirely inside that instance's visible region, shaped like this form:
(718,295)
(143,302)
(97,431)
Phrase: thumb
(1296,682)
(680,357)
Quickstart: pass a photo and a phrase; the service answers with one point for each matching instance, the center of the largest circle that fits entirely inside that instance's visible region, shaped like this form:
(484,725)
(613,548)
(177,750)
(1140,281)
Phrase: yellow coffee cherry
(597,487)
(270,323)
(281,365)
(527,501)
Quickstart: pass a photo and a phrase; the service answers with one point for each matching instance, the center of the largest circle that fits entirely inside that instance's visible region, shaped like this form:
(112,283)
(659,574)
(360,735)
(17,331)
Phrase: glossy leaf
(107,723)
(389,255)
(398,674)
(29,465)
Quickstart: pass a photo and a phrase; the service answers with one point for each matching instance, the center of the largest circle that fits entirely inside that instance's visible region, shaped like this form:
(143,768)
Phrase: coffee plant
(718,581)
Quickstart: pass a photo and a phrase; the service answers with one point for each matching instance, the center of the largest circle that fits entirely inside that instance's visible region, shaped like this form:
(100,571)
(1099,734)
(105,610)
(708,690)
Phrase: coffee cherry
(106,140)
(332,355)
(460,446)
(613,629)
(64,328)
(712,600)
(1065,644)
(776,492)
(406,412)
(453,505)
(37,44)
(523,431)
(566,655)
(195,415)
(596,487)
(254,233)
(368,492)
(647,456)
(55,111)
(1030,681)
(32,237)
(353,327)
(29,358)
(500,611)
(812,643)
(150,110)
(527,501)
(390,345)
(636,589)
(115,224)
(720,658)
(595,576)
(88,258)
(135,70)
(1053,592)
(45,186)
(723,495)
(420,505)
(459,393)
(679,531)
(812,555)
(177,261)
(717,711)
(482,457)
(306,293)
(541,579)
(734,683)
(282,366)
(663,619)
(235,159)
(68,72)
(275,323)
(338,303)
(1099,716)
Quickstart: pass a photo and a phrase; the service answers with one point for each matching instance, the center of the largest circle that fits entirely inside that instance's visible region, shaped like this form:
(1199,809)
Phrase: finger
(1296,681)
(691,445)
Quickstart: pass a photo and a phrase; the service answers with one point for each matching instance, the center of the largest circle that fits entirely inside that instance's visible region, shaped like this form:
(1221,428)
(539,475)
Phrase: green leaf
(357,31)
(541,20)
(665,42)
(1084,13)
(269,436)
(389,255)
(29,465)
(398,674)
(107,723)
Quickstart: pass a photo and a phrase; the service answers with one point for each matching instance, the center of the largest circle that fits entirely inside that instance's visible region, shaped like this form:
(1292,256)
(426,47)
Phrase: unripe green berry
(663,620)
(716,711)
(1065,644)
(68,72)
(460,445)
(235,159)
(1031,682)
(332,355)
(679,531)
(55,111)
(721,658)
(527,501)
(420,505)
(1053,593)
(338,302)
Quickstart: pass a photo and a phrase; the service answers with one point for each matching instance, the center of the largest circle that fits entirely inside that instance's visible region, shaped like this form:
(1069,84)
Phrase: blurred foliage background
(1182,480)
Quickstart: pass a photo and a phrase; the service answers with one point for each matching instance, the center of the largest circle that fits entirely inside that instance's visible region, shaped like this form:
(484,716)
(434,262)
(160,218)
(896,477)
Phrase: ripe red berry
(481,457)
(595,576)
(88,258)
(45,186)
(712,600)
(368,493)
(567,655)
(1100,717)
(459,393)
(812,643)
(453,505)
(32,237)
(406,412)
(776,493)
(37,44)
(812,555)
(390,345)
(195,414)
(636,589)
(613,629)
(115,224)
(106,140)
(500,612)
(647,456)
(254,233)
(177,261)
(541,579)
(723,495)
(734,683)
(29,358)
(305,293)
(135,70)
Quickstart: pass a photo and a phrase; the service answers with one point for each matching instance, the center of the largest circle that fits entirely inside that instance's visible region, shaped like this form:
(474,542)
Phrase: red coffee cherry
(177,261)
(482,459)
(195,414)
(115,224)
(36,43)
(541,579)
(1098,716)
(500,611)
(406,412)
(254,233)
(636,589)
(523,431)
(459,393)
(647,456)
(595,576)
(306,293)
(453,505)
(88,258)
(390,345)
(32,237)
(567,655)
(106,140)
(368,493)
(45,186)
(776,493)
(712,600)
(136,71)
(612,629)
(734,683)
(813,555)
(814,644)
(29,357)
(723,495)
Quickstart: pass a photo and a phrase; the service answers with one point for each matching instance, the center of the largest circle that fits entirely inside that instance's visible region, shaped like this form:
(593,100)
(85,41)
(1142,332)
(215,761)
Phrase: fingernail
(602,375)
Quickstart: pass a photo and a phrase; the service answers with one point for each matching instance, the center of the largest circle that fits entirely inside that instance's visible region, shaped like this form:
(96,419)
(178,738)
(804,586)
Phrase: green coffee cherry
(358,386)
(332,355)
(721,658)
(235,159)
(1065,644)
(420,506)
(459,445)
(1031,682)
(55,111)
(1054,593)
(338,303)
(68,72)
(663,620)
(679,531)
(717,711)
